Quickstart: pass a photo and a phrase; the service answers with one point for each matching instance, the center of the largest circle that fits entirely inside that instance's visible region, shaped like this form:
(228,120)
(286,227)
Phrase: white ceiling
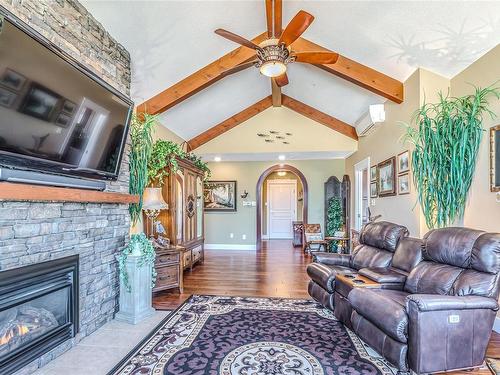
(169,40)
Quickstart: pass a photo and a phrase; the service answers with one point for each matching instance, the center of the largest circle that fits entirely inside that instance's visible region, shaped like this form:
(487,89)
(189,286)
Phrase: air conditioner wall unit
(375,115)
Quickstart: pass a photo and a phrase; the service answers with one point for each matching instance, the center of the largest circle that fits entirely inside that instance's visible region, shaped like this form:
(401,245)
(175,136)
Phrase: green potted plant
(138,246)
(334,219)
(446,138)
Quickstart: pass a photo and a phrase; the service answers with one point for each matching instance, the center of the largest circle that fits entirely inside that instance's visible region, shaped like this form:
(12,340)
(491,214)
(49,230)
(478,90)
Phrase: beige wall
(161,132)
(218,226)
(482,211)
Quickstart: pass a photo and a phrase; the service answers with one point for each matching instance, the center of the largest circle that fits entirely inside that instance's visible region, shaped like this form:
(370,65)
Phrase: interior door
(282,208)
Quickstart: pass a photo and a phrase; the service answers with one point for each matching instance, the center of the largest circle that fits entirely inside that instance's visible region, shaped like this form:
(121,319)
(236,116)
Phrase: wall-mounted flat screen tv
(55,115)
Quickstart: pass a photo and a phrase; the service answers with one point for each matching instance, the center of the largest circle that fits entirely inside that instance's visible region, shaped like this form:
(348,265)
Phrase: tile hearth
(98,353)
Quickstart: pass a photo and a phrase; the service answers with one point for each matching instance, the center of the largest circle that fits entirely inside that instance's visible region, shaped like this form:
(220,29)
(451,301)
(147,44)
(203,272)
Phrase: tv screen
(55,115)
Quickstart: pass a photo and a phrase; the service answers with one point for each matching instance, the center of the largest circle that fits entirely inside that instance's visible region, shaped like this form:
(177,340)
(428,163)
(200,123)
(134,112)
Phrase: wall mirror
(495,158)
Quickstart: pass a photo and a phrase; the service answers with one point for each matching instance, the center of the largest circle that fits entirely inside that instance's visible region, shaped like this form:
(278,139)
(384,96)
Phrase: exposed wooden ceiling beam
(318,116)
(230,123)
(269,18)
(276,93)
(278,18)
(199,80)
(356,73)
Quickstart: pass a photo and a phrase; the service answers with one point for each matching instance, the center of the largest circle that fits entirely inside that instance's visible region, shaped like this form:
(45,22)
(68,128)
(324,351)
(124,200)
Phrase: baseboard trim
(227,246)
(496,325)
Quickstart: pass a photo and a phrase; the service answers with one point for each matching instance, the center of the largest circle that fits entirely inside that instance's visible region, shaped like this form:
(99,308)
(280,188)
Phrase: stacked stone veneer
(32,232)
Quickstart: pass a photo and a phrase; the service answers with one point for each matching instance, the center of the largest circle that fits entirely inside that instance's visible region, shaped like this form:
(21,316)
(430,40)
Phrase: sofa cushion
(485,255)
(408,254)
(365,256)
(384,308)
(383,275)
(432,278)
(383,235)
(451,246)
(324,275)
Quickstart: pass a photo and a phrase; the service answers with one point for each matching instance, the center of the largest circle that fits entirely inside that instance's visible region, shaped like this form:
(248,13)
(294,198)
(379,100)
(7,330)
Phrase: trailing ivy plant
(446,137)
(164,158)
(141,143)
(148,256)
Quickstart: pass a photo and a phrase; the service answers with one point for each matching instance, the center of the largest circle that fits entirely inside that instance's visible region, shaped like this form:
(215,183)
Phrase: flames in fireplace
(22,324)
(18,330)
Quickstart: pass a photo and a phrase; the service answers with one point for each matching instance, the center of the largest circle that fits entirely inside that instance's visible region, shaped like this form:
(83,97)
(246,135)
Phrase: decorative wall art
(495,158)
(404,184)
(7,98)
(373,189)
(12,80)
(387,177)
(220,196)
(404,162)
(373,173)
(40,102)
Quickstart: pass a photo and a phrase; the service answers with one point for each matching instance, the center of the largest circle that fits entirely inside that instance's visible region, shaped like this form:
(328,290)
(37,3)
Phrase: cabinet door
(199,207)
(179,206)
(190,218)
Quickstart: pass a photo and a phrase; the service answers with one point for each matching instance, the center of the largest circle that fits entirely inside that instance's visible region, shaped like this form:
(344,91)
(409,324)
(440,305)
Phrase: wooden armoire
(183,221)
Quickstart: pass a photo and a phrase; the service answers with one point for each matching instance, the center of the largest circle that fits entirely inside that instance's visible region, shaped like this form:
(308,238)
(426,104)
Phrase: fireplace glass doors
(38,310)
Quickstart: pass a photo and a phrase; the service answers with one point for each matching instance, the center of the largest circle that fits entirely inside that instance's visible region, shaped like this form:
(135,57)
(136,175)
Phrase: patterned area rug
(252,336)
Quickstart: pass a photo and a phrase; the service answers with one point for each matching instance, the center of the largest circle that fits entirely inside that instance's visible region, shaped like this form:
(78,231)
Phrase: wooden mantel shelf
(23,192)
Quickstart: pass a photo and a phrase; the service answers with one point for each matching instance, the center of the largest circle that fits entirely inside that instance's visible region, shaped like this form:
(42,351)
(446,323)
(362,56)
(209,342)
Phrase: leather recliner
(443,318)
(378,242)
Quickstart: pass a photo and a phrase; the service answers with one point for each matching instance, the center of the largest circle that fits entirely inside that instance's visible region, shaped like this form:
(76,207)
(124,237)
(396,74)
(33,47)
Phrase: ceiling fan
(274,54)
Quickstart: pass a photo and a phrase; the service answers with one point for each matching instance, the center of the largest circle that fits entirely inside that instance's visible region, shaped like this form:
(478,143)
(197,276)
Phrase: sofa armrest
(383,275)
(442,330)
(434,302)
(332,259)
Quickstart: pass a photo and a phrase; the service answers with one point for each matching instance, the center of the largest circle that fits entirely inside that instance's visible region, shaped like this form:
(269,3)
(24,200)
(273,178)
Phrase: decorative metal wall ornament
(273,132)
(269,140)
(263,135)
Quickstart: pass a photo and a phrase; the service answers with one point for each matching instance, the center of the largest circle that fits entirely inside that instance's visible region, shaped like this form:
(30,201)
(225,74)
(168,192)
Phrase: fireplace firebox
(38,310)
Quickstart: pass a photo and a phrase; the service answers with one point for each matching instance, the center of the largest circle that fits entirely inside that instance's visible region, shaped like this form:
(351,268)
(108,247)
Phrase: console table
(344,283)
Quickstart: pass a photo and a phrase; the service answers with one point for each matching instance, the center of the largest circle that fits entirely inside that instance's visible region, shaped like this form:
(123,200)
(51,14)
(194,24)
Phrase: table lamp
(152,203)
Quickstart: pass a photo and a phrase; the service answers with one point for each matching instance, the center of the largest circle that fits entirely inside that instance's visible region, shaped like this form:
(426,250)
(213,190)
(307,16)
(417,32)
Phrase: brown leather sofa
(378,243)
(443,318)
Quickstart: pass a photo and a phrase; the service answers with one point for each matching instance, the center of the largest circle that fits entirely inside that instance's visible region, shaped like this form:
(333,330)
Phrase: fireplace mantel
(23,192)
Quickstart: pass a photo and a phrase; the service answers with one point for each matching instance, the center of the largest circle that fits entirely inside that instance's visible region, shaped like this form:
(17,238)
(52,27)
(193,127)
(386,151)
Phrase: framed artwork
(373,189)
(40,102)
(13,80)
(495,158)
(220,196)
(404,184)
(373,173)
(68,107)
(7,98)
(387,177)
(63,120)
(404,162)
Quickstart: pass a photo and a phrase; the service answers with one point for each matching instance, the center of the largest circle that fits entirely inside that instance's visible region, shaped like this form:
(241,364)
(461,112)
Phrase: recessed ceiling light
(282,157)
(217,158)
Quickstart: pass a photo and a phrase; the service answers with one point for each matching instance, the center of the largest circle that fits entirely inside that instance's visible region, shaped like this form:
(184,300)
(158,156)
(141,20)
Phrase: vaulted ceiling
(169,40)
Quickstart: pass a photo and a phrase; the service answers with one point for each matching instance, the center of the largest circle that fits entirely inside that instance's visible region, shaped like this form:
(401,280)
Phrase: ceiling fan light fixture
(273,69)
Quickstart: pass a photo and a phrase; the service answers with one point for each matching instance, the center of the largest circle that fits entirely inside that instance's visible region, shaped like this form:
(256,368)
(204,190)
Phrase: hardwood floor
(278,270)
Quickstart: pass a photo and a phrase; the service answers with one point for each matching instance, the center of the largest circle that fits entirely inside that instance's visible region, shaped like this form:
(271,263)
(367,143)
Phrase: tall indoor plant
(446,137)
(141,145)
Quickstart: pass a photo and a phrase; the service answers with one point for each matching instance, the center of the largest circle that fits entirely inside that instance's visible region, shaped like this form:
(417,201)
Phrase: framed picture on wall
(373,173)
(387,177)
(373,189)
(495,158)
(404,162)
(220,196)
(12,79)
(404,184)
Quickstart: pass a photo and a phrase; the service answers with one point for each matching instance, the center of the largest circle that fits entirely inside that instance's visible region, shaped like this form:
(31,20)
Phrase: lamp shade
(152,199)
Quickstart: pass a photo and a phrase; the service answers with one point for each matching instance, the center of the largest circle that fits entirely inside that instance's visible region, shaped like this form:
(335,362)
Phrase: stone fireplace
(38,310)
(34,232)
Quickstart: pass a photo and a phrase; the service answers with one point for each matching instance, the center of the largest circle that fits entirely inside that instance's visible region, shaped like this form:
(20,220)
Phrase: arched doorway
(260,182)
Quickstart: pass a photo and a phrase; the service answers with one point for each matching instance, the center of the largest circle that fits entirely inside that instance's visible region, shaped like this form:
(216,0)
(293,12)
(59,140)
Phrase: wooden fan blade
(281,80)
(278,15)
(236,38)
(296,27)
(238,68)
(317,57)
(269,18)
